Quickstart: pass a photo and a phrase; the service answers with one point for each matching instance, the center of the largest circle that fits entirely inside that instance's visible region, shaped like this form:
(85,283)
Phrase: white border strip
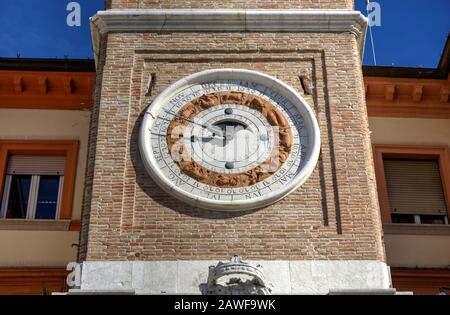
(186,276)
(228,20)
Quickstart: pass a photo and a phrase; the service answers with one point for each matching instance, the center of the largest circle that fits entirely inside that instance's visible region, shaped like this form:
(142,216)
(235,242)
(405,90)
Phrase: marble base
(188,277)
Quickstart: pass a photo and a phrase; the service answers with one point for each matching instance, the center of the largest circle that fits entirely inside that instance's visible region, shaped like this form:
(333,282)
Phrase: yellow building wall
(414,250)
(45,248)
(411,131)
(37,248)
(418,250)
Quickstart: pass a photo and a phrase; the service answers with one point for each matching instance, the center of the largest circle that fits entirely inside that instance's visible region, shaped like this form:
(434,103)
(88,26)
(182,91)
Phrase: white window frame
(32,197)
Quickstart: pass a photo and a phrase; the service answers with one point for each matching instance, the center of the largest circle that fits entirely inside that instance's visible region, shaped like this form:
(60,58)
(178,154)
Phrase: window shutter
(36,165)
(414,187)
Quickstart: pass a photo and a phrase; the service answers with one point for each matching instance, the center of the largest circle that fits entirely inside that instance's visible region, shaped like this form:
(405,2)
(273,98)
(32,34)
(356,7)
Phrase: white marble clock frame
(273,83)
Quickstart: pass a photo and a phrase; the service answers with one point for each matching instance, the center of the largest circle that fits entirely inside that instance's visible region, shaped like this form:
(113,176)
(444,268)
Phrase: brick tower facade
(323,237)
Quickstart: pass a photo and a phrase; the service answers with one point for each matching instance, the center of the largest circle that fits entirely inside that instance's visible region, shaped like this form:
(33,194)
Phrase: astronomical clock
(229,139)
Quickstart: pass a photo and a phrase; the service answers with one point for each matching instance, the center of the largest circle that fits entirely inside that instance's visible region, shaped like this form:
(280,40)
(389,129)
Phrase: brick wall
(240,4)
(334,215)
(91,156)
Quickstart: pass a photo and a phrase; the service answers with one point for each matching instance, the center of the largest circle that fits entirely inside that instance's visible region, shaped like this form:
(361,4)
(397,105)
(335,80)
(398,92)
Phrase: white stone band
(187,277)
(228,20)
(262,20)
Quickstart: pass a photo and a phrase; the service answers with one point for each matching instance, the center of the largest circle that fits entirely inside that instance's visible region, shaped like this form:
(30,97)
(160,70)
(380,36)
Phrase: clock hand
(212,129)
(205,138)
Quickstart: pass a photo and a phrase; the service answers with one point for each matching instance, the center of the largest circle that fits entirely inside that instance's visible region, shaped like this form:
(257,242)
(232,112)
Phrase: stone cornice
(231,20)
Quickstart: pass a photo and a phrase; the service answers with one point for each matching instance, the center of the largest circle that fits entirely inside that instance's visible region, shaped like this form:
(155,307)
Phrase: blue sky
(412,34)
(38,28)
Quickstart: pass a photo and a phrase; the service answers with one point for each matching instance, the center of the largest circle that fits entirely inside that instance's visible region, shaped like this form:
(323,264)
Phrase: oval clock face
(229,139)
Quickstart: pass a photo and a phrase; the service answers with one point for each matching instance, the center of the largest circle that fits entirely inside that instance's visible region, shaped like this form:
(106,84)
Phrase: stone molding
(228,20)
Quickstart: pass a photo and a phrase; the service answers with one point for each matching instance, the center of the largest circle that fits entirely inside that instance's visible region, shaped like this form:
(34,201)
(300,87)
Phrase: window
(33,187)
(413,184)
(37,179)
(415,191)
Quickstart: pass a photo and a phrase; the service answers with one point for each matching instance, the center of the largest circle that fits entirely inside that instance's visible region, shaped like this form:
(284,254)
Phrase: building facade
(45,112)
(409,122)
(368,211)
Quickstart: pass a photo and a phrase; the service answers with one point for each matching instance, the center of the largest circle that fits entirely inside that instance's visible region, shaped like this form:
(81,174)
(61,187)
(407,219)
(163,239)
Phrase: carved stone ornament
(237,277)
(249,177)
